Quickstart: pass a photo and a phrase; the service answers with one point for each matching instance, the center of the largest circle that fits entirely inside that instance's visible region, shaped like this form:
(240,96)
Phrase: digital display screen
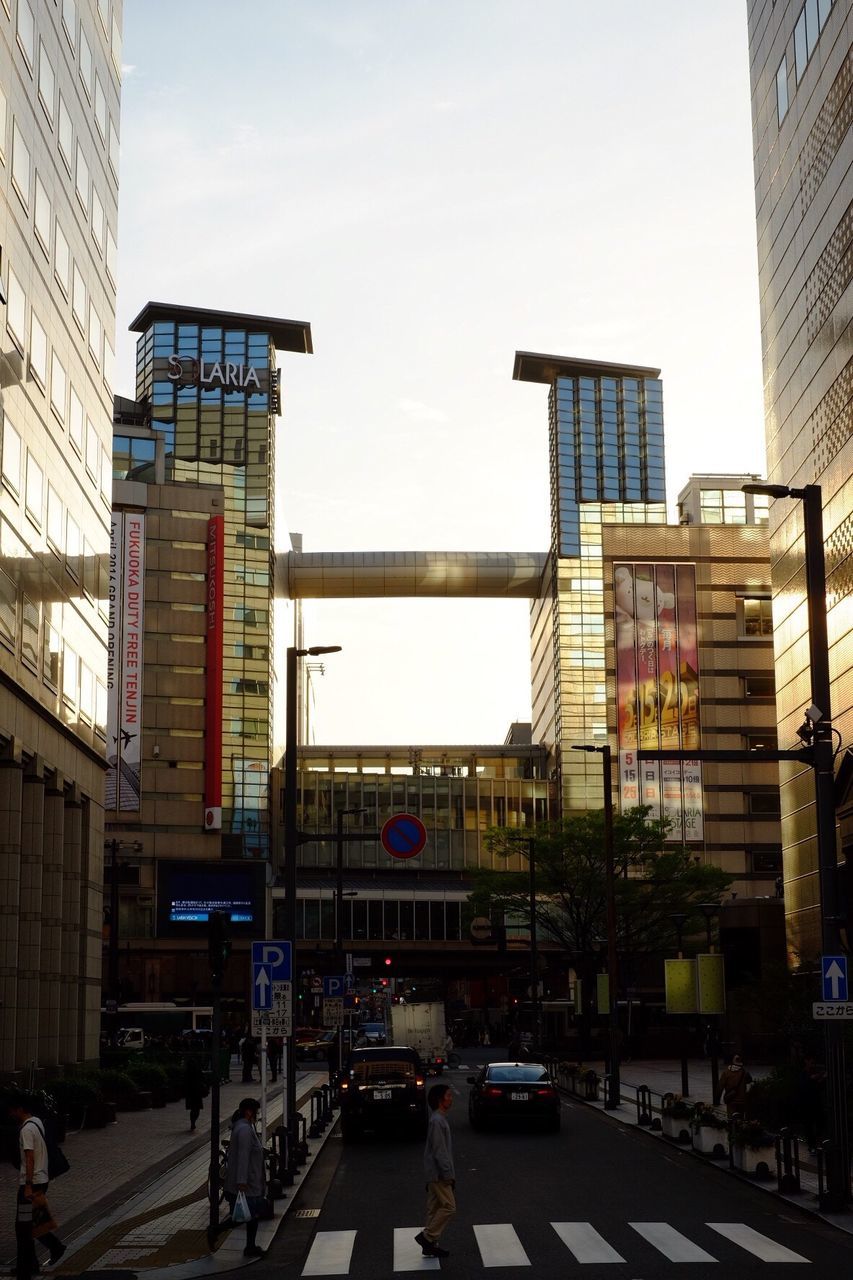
(188,893)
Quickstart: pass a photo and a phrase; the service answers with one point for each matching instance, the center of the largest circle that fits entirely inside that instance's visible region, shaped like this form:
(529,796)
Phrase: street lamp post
(614,1093)
(679,919)
(115,846)
(339,904)
(291,743)
(534,947)
(823,763)
(709,911)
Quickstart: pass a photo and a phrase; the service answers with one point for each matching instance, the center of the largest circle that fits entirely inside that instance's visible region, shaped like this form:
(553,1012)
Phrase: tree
(653,882)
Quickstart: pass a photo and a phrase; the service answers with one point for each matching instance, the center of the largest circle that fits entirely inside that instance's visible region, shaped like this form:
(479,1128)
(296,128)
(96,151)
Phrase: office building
(192,669)
(801,70)
(60,83)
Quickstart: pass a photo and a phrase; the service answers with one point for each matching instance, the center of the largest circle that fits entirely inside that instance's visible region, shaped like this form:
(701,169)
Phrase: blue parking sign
(335,987)
(276,956)
(833,973)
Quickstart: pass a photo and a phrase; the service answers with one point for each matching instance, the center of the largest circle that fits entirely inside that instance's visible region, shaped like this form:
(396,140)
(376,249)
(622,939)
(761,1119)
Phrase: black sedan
(506,1092)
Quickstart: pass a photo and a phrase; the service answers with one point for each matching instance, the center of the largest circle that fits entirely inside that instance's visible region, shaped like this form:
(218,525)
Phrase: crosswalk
(499,1245)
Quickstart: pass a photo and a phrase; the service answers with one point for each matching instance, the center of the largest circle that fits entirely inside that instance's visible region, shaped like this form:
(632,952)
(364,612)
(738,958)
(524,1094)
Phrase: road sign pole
(264,1085)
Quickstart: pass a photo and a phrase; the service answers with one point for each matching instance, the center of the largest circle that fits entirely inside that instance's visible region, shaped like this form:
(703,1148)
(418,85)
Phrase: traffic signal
(218,943)
(388,961)
(383,982)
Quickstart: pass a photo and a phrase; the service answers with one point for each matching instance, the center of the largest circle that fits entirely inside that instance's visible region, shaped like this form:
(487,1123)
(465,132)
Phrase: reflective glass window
(69,21)
(3,110)
(30,632)
(113,148)
(812,26)
(75,420)
(8,610)
(106,476)
(54,518)
(782,90)
(104,14)
(761,507)
(100,109)
(801,56)
(734,506)
(81,179)
(35,490)
(111,256)
(11,458)
(47,83)
(758,617)
(85,63)
(95,333)
(51,648)
(62,260)
(16,311)
(72,546)
(93,448)
(69,674)
(65,133)
(58,386)
(115,45)
(97,219)
(78,298)
(38,350)
(42,215)
(25,29)
(100,709)
(87,692)
(823,8)
(109,365)
(20,165)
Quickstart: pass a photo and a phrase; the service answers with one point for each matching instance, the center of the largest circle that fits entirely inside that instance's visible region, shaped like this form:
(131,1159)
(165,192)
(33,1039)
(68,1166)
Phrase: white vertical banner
(113,658)
(133,622)
(673,810)
(694,823)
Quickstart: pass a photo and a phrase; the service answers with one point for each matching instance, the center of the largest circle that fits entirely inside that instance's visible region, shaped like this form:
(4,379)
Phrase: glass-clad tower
(607,467)
(210,382)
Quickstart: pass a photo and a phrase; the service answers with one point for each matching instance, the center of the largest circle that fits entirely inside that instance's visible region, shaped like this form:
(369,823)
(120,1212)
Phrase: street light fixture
(823,764)
(290,845)
(615,1090)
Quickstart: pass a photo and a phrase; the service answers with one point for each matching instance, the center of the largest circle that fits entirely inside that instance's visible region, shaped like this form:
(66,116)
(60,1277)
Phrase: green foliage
(652,882)
(112,1085)
(72,1092)
(752,1134)
(705,1117)
(147,1076)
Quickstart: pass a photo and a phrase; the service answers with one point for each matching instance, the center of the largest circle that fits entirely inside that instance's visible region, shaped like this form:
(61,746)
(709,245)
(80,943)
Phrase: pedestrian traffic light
(218,943)
(388,961)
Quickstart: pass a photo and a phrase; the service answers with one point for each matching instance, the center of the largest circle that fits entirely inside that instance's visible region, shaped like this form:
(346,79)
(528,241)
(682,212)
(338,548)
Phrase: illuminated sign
(657,692)
(189,372)
(124,659)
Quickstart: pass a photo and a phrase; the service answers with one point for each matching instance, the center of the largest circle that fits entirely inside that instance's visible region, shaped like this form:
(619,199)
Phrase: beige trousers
(441,1207)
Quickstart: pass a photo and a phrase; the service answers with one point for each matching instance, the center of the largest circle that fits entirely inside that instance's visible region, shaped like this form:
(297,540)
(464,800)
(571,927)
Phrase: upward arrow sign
(262,982)
(835,976)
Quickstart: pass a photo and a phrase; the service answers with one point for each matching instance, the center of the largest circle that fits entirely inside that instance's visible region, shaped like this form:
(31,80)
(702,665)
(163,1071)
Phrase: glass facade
(212,391)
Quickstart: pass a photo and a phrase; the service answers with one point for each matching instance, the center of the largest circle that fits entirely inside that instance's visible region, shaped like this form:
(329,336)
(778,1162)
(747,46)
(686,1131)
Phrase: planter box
(759,1162)
(99,1114)
(676,1127)
(711,1142)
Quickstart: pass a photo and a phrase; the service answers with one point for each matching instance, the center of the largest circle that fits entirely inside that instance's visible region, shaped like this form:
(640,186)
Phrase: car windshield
(506,1075)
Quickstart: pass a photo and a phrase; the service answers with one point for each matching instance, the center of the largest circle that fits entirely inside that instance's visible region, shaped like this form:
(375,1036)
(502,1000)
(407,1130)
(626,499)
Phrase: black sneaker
(253,1251)
(57,1254)
(421,1239)
(436,1251)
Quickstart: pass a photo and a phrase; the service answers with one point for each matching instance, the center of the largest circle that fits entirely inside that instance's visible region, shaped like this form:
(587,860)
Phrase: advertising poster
(213,686)
(657,691)
(130,674)
(113,658)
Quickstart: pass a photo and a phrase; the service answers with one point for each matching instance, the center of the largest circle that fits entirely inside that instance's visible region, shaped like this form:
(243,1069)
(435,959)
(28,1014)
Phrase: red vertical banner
(626,684)
(213,709)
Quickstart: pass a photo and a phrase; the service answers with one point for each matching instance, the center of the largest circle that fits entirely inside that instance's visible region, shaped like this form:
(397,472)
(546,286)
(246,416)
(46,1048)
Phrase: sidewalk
(665,1077)
(136,1195)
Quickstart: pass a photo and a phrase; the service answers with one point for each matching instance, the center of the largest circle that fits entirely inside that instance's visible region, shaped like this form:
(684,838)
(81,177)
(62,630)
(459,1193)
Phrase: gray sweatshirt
(245,1160)
(438,1152)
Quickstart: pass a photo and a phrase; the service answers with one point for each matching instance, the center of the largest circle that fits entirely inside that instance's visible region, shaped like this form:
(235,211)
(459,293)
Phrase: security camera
(155,751)
(814,714)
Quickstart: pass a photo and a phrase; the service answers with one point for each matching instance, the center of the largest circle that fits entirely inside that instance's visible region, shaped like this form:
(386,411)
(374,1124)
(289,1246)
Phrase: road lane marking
(582,1239)
(671,1243)
(754,1242)
(500,1246)
(408,1255)
(331,1254)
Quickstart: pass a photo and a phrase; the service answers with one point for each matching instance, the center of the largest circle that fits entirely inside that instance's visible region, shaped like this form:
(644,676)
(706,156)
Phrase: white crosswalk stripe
(332,1252)
(585,1243)
(754,1242)
(500,1246)
(671,1243)
(408,1256)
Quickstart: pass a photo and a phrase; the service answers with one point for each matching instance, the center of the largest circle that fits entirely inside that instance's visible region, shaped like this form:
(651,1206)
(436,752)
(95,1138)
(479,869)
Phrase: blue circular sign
(403,836)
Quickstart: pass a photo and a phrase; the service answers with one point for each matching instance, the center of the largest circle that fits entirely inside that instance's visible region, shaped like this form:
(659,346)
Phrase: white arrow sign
(835,976)
(262,987)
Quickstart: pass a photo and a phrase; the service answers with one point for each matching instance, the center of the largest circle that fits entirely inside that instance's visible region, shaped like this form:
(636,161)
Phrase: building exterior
(60,84)
(801,70)
(190,744)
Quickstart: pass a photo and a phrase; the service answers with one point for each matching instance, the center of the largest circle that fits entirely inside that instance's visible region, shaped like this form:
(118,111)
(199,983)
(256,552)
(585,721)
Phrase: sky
(433,185)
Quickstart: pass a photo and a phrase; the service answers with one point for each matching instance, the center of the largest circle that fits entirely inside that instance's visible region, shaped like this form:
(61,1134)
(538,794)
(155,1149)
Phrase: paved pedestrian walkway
(136,1195)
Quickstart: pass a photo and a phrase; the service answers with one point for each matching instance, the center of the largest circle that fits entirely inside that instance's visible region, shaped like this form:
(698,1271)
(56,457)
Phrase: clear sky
(435,184)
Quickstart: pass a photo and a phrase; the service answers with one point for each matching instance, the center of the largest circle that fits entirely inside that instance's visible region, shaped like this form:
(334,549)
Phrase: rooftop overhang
(287,335)
(531,366)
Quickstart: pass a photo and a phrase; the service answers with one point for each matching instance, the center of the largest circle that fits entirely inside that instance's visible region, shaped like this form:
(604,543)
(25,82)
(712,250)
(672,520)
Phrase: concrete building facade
(801,71)
(60,86)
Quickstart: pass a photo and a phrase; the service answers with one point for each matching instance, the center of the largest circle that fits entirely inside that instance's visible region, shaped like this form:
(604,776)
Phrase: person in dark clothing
(439,1173)
(275,1052)
(249,1053)
(33,1219)
(194,1088)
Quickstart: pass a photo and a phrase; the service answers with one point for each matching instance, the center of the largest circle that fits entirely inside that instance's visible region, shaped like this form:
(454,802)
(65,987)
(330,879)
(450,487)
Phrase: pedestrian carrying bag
(57,1161)
(241,1211)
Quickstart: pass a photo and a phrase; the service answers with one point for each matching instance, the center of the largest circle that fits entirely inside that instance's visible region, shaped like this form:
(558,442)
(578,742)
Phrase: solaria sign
(190,372)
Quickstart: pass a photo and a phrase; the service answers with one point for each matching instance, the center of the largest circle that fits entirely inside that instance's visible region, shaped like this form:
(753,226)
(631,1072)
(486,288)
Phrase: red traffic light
(383,982)
(388,960)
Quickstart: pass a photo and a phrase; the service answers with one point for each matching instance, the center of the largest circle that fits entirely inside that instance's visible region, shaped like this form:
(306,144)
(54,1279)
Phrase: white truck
(421,1027)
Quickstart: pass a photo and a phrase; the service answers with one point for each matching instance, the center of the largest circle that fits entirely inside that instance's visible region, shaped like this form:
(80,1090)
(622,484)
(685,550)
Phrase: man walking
(439,1172)
(33,1220)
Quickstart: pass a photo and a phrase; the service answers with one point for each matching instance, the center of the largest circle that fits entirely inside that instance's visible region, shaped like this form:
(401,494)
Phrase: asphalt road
(546,1206)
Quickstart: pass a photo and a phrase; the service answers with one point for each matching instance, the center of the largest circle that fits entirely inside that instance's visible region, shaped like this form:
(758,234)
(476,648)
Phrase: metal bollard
(326,1091)
(282,1145)
(787,1161)
(830,1177)
(644,1105)
(302,1144)
(318,1123)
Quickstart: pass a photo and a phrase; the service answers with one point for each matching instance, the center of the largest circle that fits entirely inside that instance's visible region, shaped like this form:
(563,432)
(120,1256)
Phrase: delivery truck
(421,1027)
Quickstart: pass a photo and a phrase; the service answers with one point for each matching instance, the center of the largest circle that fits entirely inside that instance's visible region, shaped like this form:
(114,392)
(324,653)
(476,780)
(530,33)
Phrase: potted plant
(74,1097)
(709,1131)
(150,1078)
(118,1087)
(753,1149)
(675,1117)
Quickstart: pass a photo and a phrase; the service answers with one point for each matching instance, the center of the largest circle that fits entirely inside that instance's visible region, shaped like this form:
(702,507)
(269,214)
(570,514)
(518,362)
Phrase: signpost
(272,1005)
(833,977)
(333,1011)
(832,1010)
(403,836)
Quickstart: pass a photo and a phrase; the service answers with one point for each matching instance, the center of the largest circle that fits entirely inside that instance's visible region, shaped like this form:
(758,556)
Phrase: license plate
(520,1096)
(381,1095)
